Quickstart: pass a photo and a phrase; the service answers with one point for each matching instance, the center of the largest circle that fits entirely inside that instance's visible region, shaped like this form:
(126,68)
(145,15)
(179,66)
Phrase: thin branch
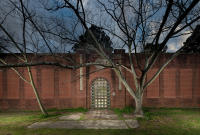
(163,66)
(53,64)
(15,70)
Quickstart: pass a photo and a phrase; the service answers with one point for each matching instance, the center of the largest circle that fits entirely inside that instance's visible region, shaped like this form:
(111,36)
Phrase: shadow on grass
(155,131)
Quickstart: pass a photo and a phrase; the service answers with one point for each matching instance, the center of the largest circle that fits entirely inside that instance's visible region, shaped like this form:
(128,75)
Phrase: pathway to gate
(93,119)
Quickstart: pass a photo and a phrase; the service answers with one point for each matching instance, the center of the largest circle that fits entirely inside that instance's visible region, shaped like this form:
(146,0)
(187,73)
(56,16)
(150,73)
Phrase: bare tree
(22,48)
(25,44)
(138,24)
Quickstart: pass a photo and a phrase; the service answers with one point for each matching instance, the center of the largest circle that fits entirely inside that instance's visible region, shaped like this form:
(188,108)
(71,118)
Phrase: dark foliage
(193,42)
(87,44)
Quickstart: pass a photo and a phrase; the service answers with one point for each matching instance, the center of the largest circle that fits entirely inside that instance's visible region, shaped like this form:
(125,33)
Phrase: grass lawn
(156,122)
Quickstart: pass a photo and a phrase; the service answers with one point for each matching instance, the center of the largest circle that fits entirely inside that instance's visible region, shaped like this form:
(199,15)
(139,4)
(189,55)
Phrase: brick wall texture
(178,85)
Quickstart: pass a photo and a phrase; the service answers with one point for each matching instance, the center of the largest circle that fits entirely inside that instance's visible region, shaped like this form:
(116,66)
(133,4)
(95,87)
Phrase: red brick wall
(12,85)
(1,84)
(169,83)
(186,83)
(177,86)
(153,89)
(29,93)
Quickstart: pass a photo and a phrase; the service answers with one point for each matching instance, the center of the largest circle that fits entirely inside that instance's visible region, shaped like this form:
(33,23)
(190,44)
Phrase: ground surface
(155,122)
(93,119)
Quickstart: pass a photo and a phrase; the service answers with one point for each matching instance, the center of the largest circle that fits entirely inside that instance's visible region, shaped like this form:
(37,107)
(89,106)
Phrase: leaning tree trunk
(138,106)
(36,92)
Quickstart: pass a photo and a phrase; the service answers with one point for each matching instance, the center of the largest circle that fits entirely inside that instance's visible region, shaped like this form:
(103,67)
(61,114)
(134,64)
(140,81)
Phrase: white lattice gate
(100,93)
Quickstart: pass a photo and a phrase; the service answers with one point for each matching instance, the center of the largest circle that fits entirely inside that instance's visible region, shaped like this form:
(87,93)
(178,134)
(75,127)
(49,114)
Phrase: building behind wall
(94,87)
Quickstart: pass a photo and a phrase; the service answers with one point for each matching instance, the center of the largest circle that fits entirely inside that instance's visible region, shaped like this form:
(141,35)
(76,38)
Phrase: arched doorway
(100,93)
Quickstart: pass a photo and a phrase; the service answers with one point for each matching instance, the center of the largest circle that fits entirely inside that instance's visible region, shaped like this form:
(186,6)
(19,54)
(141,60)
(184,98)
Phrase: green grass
(170,121)
(125,110)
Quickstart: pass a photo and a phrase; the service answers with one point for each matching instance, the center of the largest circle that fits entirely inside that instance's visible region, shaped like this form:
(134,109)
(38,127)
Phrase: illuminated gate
(100,93)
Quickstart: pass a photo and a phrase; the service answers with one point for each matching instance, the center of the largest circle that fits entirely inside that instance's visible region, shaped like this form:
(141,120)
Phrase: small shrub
(125,110)
(43,116)
(118,111)
(128,110)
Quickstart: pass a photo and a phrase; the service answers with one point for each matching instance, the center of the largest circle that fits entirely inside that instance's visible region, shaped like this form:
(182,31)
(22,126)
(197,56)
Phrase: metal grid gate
(100,93)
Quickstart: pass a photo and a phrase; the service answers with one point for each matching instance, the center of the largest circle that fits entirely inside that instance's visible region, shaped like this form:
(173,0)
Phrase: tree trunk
(36,92)
(138,107)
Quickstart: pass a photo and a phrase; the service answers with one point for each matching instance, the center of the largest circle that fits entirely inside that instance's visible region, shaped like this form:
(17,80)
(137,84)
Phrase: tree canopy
(87,43)
(192,44)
